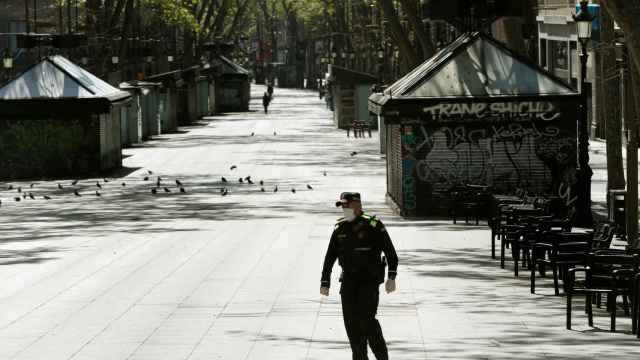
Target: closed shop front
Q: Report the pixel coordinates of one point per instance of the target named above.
(495, 132)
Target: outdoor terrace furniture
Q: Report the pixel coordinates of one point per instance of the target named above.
(469, 200)
(605, 273)
(359, 127)
(512, 232)
(496, 217)
(635, 311)
(560, 251)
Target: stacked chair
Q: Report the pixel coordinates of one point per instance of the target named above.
(538, 232)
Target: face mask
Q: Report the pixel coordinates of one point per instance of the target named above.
(349, 214)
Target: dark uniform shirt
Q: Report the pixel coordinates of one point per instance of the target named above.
(358, 245)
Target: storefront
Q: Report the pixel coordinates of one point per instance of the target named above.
(476, 113)
(57, 119)
(350, 92)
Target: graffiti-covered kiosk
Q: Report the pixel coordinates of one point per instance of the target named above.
(476, 113)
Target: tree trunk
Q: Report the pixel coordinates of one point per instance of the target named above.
(398, 34)
(508, 30)
(632, 161)
(609, 107)
(411, 9)
(625, 13)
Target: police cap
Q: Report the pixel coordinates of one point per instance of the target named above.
(346, 197)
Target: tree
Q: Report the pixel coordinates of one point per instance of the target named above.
(609, 105)
(625, 13)
(398, 34)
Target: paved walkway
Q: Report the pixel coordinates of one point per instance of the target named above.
(133, 275)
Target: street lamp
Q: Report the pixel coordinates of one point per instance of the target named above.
(7, 60)
(583, 207)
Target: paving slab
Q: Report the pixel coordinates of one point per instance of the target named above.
(133, 275)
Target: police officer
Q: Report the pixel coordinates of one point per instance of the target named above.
(357, 242)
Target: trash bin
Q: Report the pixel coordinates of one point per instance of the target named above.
(617, 208)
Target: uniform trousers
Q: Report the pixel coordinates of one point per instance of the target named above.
(359, 308)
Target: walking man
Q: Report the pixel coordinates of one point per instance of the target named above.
(357, 242)
(266, 99)
(270, 90)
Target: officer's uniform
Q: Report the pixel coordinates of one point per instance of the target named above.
(358, 245)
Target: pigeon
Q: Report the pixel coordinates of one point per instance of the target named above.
(182, 190)
(324, 173)
(150, 172)
(354, 153)
(59, 186)
(261, 182)
(225, 192)
(240, 180)
(31, 196)
(158, 181)
(248, 177)
(262, 189)
(154, 191)
(19, 189)
(275, 189)
(233, 167)
(98, 185)
(0, 202)
(10, 187)
(224, 180)
(252, 134)
(167, 190)
(124, 184)
(105, 180)
(249, 181)
(74, 182)
(76, 193)
(293, 190)
(17, 198)
(309, 187)
(274, 133)
(146, 178)
(24, 196)
(98, 193)
(178, 182)
(47, 197)
(31, 186)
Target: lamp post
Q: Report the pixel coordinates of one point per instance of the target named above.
(381, 54)
(583, 203)
(7, 60)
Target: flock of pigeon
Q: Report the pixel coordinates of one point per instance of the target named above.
(159, 186)
(23, 194)
(224, 191)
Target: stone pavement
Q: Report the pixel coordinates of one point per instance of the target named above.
(132, 275)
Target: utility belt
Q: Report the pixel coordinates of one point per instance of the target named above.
(376, 272)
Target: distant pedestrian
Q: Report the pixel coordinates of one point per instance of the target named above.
(270, 91)
(266, 99)
(357, 242)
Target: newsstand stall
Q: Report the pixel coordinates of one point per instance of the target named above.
(350, 93)
(168, 98)
(59, 120)
(143, 118)
(232, 86)
(477, 113)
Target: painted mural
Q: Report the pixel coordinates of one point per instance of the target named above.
(507, 145)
